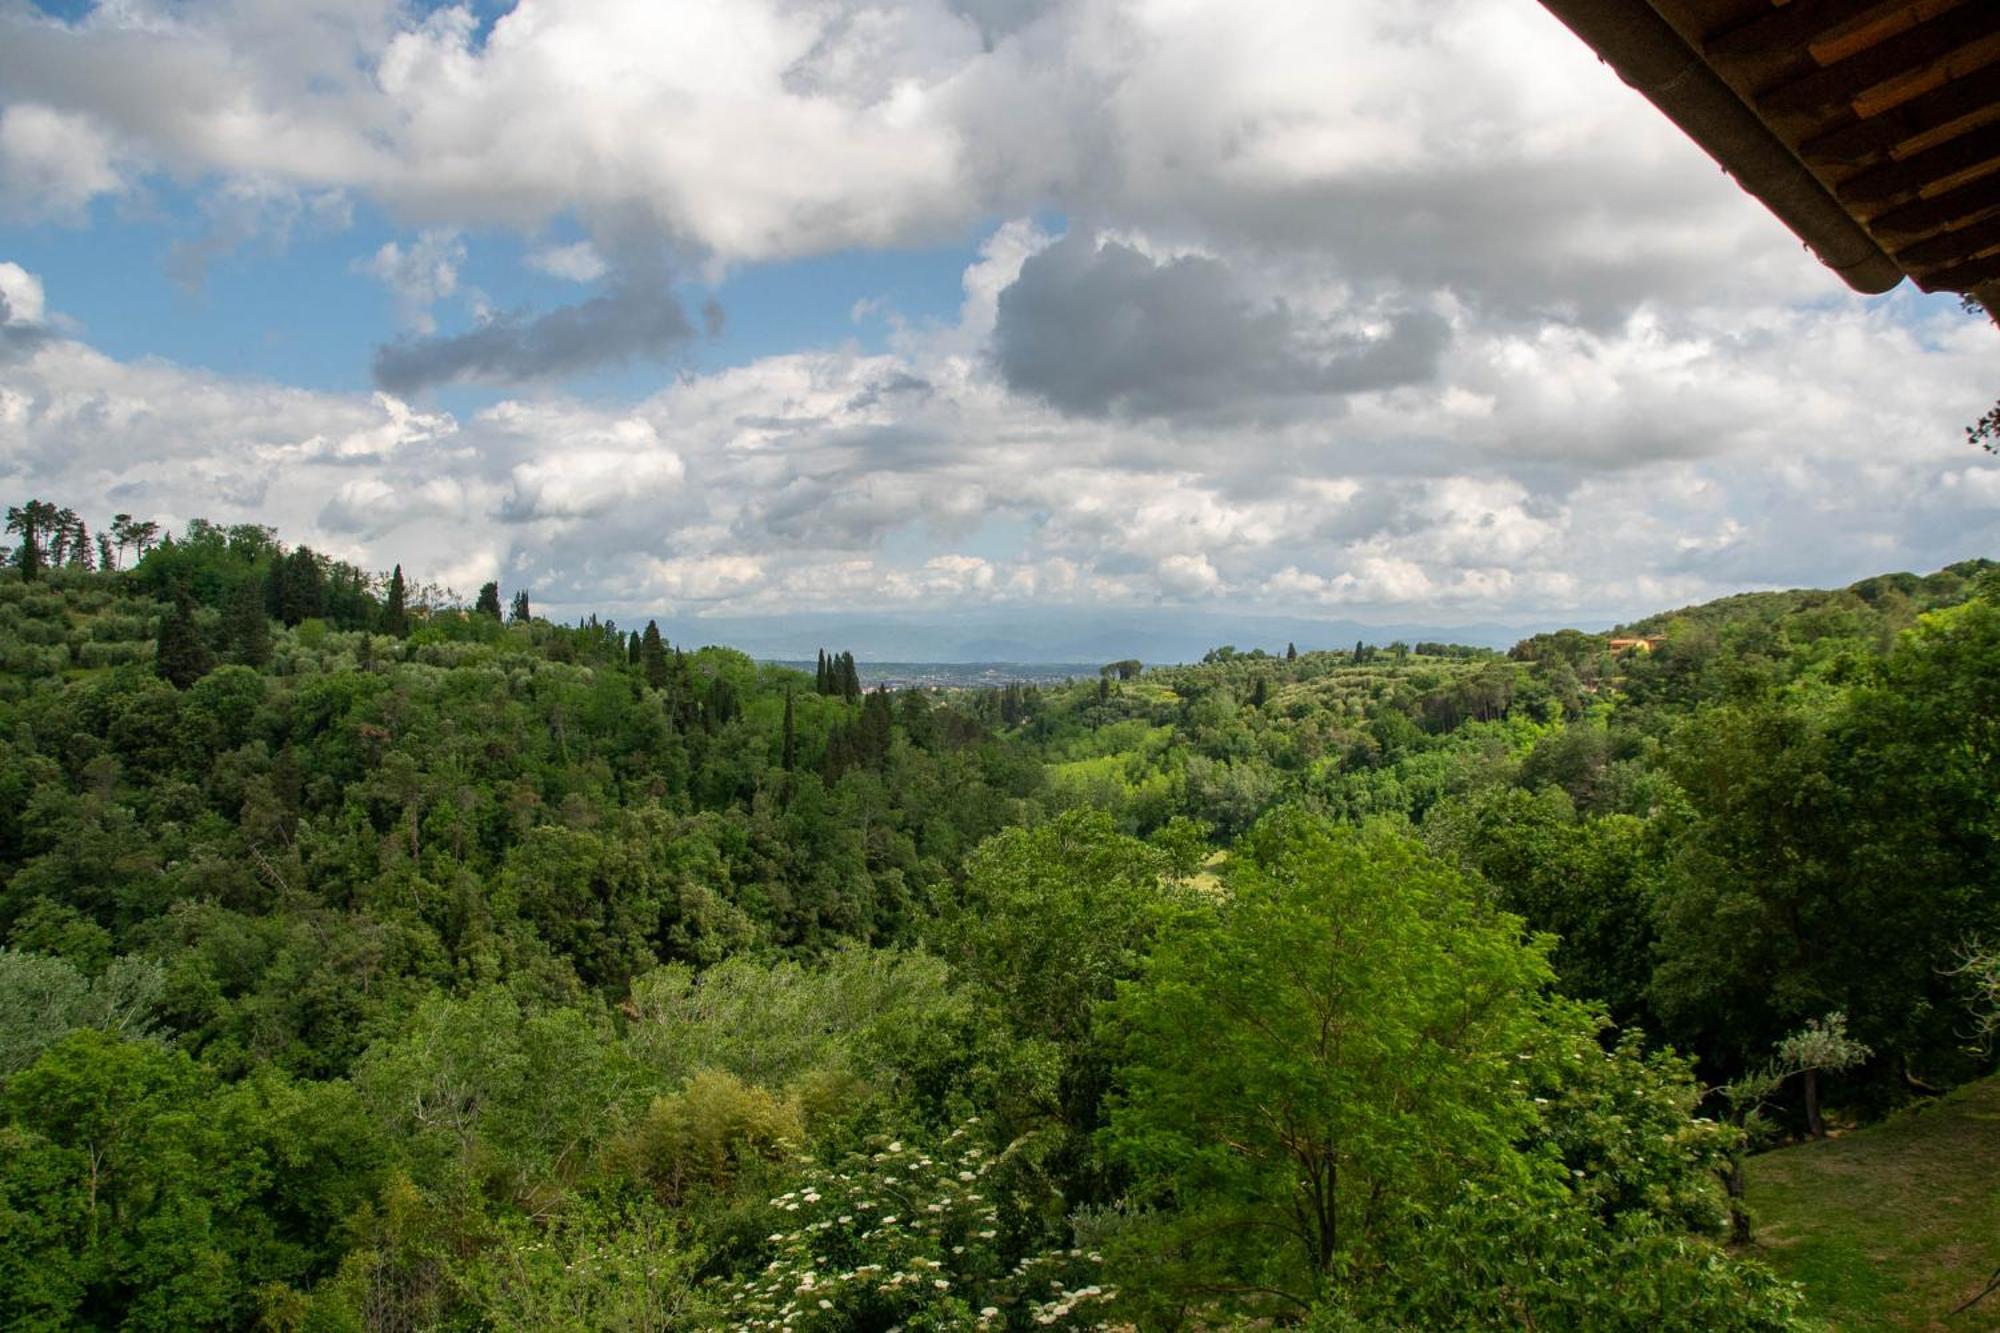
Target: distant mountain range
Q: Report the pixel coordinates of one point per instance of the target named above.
(1059, 635)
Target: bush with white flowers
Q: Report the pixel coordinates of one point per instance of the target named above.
(910, 1238)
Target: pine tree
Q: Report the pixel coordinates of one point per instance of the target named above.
(106, 561)
(32, 523)
(790, 753)
(519, 614)
(61, 533)
(245, 628)
(180, 657)
(396, 612)
(653, 656)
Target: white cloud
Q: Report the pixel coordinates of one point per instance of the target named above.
(578, 262)
(53, 163)
(1473, 144)
(419, 275)
(22, 292)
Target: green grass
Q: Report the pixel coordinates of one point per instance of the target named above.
(1892, 1226)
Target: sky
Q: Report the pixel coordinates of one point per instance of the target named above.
(730, 308)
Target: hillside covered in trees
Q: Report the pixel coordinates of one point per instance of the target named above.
(376, 962)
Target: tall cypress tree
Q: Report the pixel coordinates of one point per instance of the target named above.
(819, 673)
(850, 679)
(488, 601)
(1291, 652)
(520, 614)
(396, 613)
(180, 657)
(872, 734)
(653, 656)
(246, 630)
(632, 649)
(790, 753)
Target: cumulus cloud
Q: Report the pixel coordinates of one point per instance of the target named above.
(1410, 308)
(53, 163)
(1475, 146)
(21, 311)
(577, 262)
(419, 275)
(1098, 328)
(633, 318)
(828, 479)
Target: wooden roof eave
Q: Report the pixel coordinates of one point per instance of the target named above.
(1648, 54)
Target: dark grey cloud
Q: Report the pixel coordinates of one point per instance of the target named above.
(1102, 330)
(632, 319)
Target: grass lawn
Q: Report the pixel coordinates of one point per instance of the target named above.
(1892, 1226)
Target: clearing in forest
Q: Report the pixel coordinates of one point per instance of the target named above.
(1892, 1226)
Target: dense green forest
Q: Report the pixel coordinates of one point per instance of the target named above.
(377, 962)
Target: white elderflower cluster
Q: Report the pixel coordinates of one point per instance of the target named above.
(897, 1237)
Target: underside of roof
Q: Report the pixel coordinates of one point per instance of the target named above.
(1870, 127)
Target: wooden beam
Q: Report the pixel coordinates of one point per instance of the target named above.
(1921, 217)
(1787, 31)
(1908, 52)
(1948, 247)
(1962, 277)
(1948, 159)
(1856, 141)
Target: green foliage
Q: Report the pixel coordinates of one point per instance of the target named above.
(914, 1237)
(44, 999)
(181, 657)
(499, 974)
(1362, 1012)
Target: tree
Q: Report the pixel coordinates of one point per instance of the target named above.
(789, 749)
(180, 656)
(395, 607)
(301, 587)
(488, 603)
(653, 656)
(519, 614)
(246, 630)
(34, 523)
(1291, 652)
(1051, 921)
(80, 551)
(873, 732)
(128, 533)
(849, 678)
(1822, 1045)
(1359, 1009)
